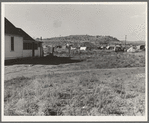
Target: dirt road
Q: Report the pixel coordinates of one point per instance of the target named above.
(30, 71)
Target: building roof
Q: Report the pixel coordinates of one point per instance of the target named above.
(24, 34)
(11, 29)
(40, 41)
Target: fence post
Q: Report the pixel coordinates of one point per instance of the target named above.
(69, 50)
(52, 51)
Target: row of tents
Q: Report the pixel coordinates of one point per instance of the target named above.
(136, 48)
(115, 48)
(112, 47)
(121, 48)
(48, 49)
(67, 47)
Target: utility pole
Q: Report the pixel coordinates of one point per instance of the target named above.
(125, 40)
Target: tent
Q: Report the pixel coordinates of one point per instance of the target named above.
(103, 47)
(73, 48)
(118, 48)
(82, 48)
(132, 49)
(141, 47)
(111, 47)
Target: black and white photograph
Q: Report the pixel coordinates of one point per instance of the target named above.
(74, 61)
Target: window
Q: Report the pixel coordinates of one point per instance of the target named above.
(12, 43)
(27, 46)
(24, 46)
(35, 46)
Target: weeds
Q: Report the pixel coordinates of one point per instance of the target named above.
(79, 94)
(50, 96)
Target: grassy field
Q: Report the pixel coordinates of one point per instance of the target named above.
(101, 83)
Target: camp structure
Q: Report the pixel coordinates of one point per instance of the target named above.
(141, 47)
(83, 48)
(110, 47)
(132, 49)
(18, 44)
(118, 48)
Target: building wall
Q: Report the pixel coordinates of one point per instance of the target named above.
(37, 52)
(27, 53)
(41, 50)
(18, 47)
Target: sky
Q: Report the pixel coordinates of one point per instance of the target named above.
(54, 20)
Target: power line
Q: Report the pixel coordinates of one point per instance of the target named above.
(125, 40)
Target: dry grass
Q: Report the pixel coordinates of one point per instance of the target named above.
(76, 94)
(44, 91)
(100, 59)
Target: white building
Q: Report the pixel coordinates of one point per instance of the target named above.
(18, 44)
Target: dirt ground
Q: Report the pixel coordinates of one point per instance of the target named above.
(63, 63)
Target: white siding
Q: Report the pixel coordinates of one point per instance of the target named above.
(37, 52)
(18, 47)
(27, 53)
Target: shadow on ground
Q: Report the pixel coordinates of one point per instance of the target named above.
(52, 60)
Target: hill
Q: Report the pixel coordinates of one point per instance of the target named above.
(79, 39)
